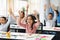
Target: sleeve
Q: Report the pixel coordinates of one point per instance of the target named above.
(45, 16)
(6, 25)
(59, 14)
(8, 22)
(34, 29)
(23, 25)
(35, 26)
(55, 16)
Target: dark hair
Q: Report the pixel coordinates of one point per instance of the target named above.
(57, 12)
(4, 18)
(51, 14)
(33, 18)
(23, 13)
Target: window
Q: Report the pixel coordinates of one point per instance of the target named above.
(3, 7)
(18, 5)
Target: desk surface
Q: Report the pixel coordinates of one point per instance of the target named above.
(17, 27)
(52, 28)
(25, 36)
(44, 28)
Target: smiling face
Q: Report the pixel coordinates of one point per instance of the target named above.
(2, 21)
(50, 16)
(29, 20)
(22, 14)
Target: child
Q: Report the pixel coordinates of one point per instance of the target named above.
(4, 23)
(30, 25)
(21, 14)
(50, 19)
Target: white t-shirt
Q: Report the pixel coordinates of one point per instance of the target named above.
(50, 23)
(3, 27)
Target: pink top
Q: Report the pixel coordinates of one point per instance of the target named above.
(28, 27)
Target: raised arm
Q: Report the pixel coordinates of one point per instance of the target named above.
(26, 14)
(12, 14)
(21, 22)
(45, 16)
(53, 6)
(55, 16)
(45, 13)
(38, 21)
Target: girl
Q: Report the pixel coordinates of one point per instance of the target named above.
(21, 14)
(30, 25)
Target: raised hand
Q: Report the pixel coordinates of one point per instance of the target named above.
(35, 13)
(19, 11)
(10, 11)
(45, 7)
(53, 6)
(27, 7)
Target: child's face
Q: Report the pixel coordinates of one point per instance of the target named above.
(21, 15)
(50, 17)
(2, 21)
(34, 12)
(29, 20)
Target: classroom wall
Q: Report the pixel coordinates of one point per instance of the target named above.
(33, 5)
(38, 6)
(55, 2)
(3, 8)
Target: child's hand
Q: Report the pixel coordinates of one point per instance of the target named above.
(45, 7)
(53, 6)
(27, 7)
(10, 11)
(19, 11)
(35, 13)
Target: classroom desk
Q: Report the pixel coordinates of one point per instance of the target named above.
(25, 36)
(17, 28)
(3, 36)
(57, 29)
(52, 29)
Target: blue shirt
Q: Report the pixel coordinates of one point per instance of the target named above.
(58, 18)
